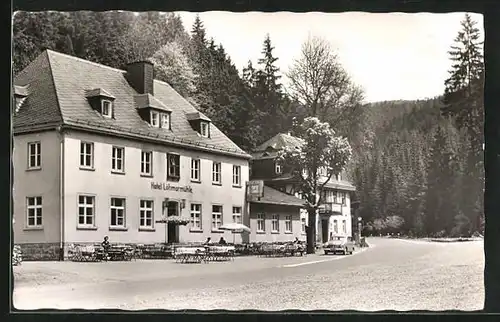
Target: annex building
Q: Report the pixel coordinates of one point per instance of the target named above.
(101, 152)
(334, 216)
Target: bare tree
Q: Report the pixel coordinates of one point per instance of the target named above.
(320, 83)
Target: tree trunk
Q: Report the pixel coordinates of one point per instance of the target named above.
(311, 232)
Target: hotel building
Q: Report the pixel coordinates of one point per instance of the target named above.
(101, 152)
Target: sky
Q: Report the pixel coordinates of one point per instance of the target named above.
(391, 56)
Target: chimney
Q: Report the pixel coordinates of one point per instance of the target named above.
(140, 76)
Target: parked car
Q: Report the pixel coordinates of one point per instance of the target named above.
(339, 244)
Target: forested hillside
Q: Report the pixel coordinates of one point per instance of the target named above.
(417, 165)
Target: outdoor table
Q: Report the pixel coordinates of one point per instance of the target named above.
(190, 254)
(220, 253)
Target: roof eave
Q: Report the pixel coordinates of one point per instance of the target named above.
(92, 129)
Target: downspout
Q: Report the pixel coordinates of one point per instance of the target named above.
(61, 193)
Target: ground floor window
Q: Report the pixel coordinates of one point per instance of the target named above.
(146, 214)
(261, 221)
(288, 224)
(344, 226)
(237, 215)
(303, 220)
(118, 212)
(34, 211)
(86, 211)
(335, 226)
(275, 223)
(196, 216)
(216, 217)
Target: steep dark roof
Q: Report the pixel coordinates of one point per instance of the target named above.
(279, 142)
(58, 85)
(275, 197)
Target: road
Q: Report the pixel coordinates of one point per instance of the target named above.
(391, 275)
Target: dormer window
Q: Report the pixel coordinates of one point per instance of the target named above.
(155, 119)
(277, 167)
(165, 121)
(200, 123)
(204, 129)
(153, 111)
(106, 108)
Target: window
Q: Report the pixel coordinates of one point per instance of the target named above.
(155, 119)
(216, 172)
(344, 226)
(146, 163)
(118, 212)
(86, 211)
(204, 129)
(275, 223)
(343, 195)
(236, 175)
(261, 222)
(277, 167)
(146, 214)
(335, 226)
(288, 224)
(106, 108)
(335, 196)
(117, 159)
(237, 215)
(173, 166)
(303, 220)
(34, 211)
(165, 121)
(195, 169)
(34, 155)
(86, 155)
(195, 216)
(216, 217)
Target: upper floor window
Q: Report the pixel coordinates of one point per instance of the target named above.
(34, 155)
(204, 129)
(117, 159)
(86, 154)
(236, 175)
(344, 199)
(303, 222)
(107, 108)
(335, 197)
(146, 163)
(173, 166)
(195, 169)
(216, 173)
(34, 212)
(344, 226)
(335, 226)
(277, 167)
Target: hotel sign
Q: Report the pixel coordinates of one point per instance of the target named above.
(168, 187)
(255, 188)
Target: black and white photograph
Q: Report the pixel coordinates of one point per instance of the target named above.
(264, 161)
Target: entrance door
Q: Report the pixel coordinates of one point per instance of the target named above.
(172, 229)
(324, 230)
